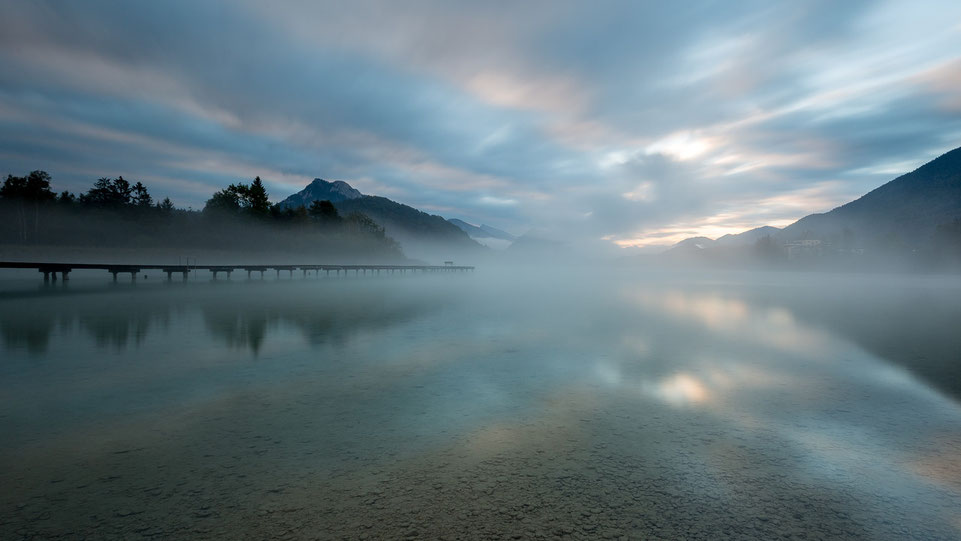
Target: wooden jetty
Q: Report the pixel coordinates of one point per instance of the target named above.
(50, 270)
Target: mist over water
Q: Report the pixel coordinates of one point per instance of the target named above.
(587, 403)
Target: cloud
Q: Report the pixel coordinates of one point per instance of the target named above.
(626, 121)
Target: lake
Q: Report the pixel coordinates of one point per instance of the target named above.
(584, 404)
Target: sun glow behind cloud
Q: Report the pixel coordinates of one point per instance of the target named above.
(681, 146)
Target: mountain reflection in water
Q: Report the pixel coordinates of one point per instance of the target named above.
(644, 405)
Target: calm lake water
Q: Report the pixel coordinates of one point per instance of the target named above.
(587, 405)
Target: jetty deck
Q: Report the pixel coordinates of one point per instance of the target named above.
(50, 270)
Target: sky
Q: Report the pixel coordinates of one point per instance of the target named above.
(628, 124)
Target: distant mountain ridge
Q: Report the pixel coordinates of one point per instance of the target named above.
(483, 231)
(747, 237)
(910, 206)
(407, 225)
(691, 245)
(403, 219)
(907, 210)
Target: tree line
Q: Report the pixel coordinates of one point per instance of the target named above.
(117, 212)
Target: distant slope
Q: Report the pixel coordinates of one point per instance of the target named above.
(482, 232)
(405, 221)
(497, 233)
(321, 190)
(472, 231)
(420, 234)
(691, 245)
(747, 237)
(905, 210)
(402, 222)
(909, 207)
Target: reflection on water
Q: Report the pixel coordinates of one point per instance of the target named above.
(746, 406)
(121, 318)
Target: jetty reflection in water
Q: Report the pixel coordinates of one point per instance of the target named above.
(741, 405)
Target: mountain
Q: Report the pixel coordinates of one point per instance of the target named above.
(485, 234)
(321, 190)
(421, 235)
(908, 208)
(472, 231)
(399, 218)
(493, 232)
(905, 211)
(483, 231)
(691, 245)
(747, 237)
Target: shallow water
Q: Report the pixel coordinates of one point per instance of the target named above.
(588, 405)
